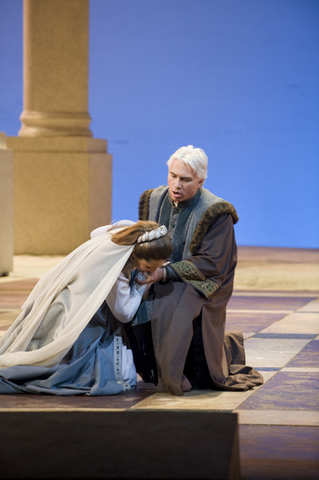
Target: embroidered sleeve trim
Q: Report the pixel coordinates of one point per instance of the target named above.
(189, 273)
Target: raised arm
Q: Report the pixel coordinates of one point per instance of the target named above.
(211, 266)
(216, 258)
(124, 300)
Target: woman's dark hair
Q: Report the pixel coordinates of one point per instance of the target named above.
(158, 249)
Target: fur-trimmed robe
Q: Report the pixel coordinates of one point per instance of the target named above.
(207, 272)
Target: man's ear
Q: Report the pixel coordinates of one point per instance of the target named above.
(200, 183)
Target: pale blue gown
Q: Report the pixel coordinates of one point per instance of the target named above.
(98, 363)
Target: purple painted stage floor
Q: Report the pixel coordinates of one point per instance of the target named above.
(278, 422)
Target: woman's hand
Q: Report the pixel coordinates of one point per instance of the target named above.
(151, 278)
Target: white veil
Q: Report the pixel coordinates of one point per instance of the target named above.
(63, 302)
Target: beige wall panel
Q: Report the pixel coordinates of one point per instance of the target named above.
(51, 204)
(100, 190)
(63, 190)
(6, 211)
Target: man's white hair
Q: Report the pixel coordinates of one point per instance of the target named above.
(195, 158)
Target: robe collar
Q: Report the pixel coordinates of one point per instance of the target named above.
(187, 203)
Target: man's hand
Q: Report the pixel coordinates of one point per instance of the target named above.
(154, 277)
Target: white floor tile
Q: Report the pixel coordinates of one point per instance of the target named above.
(295, 323)
(272, 352)
(312, 306)
(196, 400)
(278, 417)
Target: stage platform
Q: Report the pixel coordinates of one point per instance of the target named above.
(276, 305)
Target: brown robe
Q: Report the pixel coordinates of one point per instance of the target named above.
(206, 287)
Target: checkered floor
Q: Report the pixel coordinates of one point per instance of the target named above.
(278, 422)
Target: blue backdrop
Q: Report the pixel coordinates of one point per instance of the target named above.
(238, 78)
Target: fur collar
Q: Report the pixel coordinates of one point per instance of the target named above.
(143, 206)
(211, 215)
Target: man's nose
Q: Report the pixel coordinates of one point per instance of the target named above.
(177, 183)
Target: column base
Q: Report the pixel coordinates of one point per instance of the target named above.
(54, 124)
(62, 191)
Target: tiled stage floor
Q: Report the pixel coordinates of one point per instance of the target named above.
(278, 422)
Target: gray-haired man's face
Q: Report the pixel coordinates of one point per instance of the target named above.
(182, 182)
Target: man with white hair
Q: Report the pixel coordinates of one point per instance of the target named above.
(187, 302)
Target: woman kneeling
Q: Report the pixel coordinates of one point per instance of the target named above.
(68, 339)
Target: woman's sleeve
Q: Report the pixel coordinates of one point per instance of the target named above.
(124, 300)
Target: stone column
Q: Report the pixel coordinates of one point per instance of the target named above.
(56, 51)
(62, 176)
(6, 207)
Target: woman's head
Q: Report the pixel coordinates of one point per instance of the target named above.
(148, 254)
